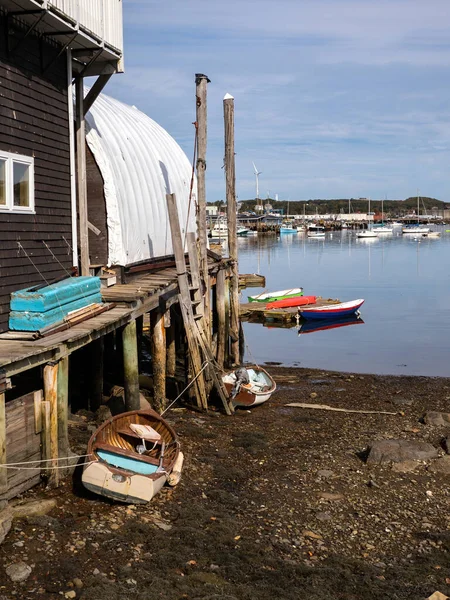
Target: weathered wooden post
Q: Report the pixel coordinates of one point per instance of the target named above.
(51, 422)
(226, 299)
(3, 470)
(130, 366)
(81, 177)
(171, 349)
(230, 179)
(201, 82)
(62, 392)
(97, 349)
(158, 350)
(220, 309)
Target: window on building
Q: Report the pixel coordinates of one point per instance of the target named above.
(16, 183)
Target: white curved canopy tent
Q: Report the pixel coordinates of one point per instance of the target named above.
(140, 163)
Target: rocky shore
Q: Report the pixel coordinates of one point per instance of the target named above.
(281, 501)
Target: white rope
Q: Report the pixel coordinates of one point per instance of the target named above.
(43, 460)
(48, 468)
(205, 364)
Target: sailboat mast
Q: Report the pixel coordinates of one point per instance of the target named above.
(418, 208)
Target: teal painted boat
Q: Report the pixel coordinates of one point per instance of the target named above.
(279, 295)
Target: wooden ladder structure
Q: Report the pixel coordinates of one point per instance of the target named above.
(192, 310)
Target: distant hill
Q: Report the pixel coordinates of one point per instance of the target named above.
(340, 205)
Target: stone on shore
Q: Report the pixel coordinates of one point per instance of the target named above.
(6, 517)
(36, 508)
(441, 466)
(438, 419)
(397, 451)
(18, 571)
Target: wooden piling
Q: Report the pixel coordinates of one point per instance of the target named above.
(62, 392)
(3, 470)
(201, 82)
(97, 350)
(171, 351)
(46, 438)
(158, 350)
(230, 178)
(220, 310)
(51, 396)
(130, 366)
(226, 298)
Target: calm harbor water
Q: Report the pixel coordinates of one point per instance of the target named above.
(406, 286)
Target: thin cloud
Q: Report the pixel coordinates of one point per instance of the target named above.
(331, 96)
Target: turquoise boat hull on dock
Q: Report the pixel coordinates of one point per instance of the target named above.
(33, 309)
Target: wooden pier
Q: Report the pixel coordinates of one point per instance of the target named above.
(107, 339)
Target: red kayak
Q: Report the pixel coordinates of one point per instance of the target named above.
(295, 301)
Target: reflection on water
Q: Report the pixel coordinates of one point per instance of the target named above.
(406, 285)
(326, 325)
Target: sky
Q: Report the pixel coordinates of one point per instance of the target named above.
(333, 98)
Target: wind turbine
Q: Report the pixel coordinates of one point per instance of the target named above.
(257, 180)
(257, 173)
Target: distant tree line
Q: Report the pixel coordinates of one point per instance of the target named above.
(341, 205)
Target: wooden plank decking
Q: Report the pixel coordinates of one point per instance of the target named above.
(132, 300)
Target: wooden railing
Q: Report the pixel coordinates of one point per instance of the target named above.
(103, 18)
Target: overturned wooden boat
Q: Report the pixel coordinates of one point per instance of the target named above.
(294, 301)
(249, 386)
(131, 456)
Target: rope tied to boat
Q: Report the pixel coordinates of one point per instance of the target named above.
(205, 364)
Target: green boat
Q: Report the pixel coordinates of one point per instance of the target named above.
(280, 295)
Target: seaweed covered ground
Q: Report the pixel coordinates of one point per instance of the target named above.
(276, 502)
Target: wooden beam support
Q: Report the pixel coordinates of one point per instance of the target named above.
(51, 397)
(158, 350)
(201, 82)
(81, 177)
(230, 178)
(130, 366)
(95, 91)
(3, 470)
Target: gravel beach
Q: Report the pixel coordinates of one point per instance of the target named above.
(277, 502)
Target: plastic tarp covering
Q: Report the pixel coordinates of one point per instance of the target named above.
(140, 163)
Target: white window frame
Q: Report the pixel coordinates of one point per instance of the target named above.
(10, 159)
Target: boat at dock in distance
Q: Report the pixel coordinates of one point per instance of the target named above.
(383, 229)
(220, 229)
(131, 456)
(279, 295)
(287, 227)
(415, 229)
(332, 311)
(249, 386)
(292, 302)
(366, 234)
(316, 231)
